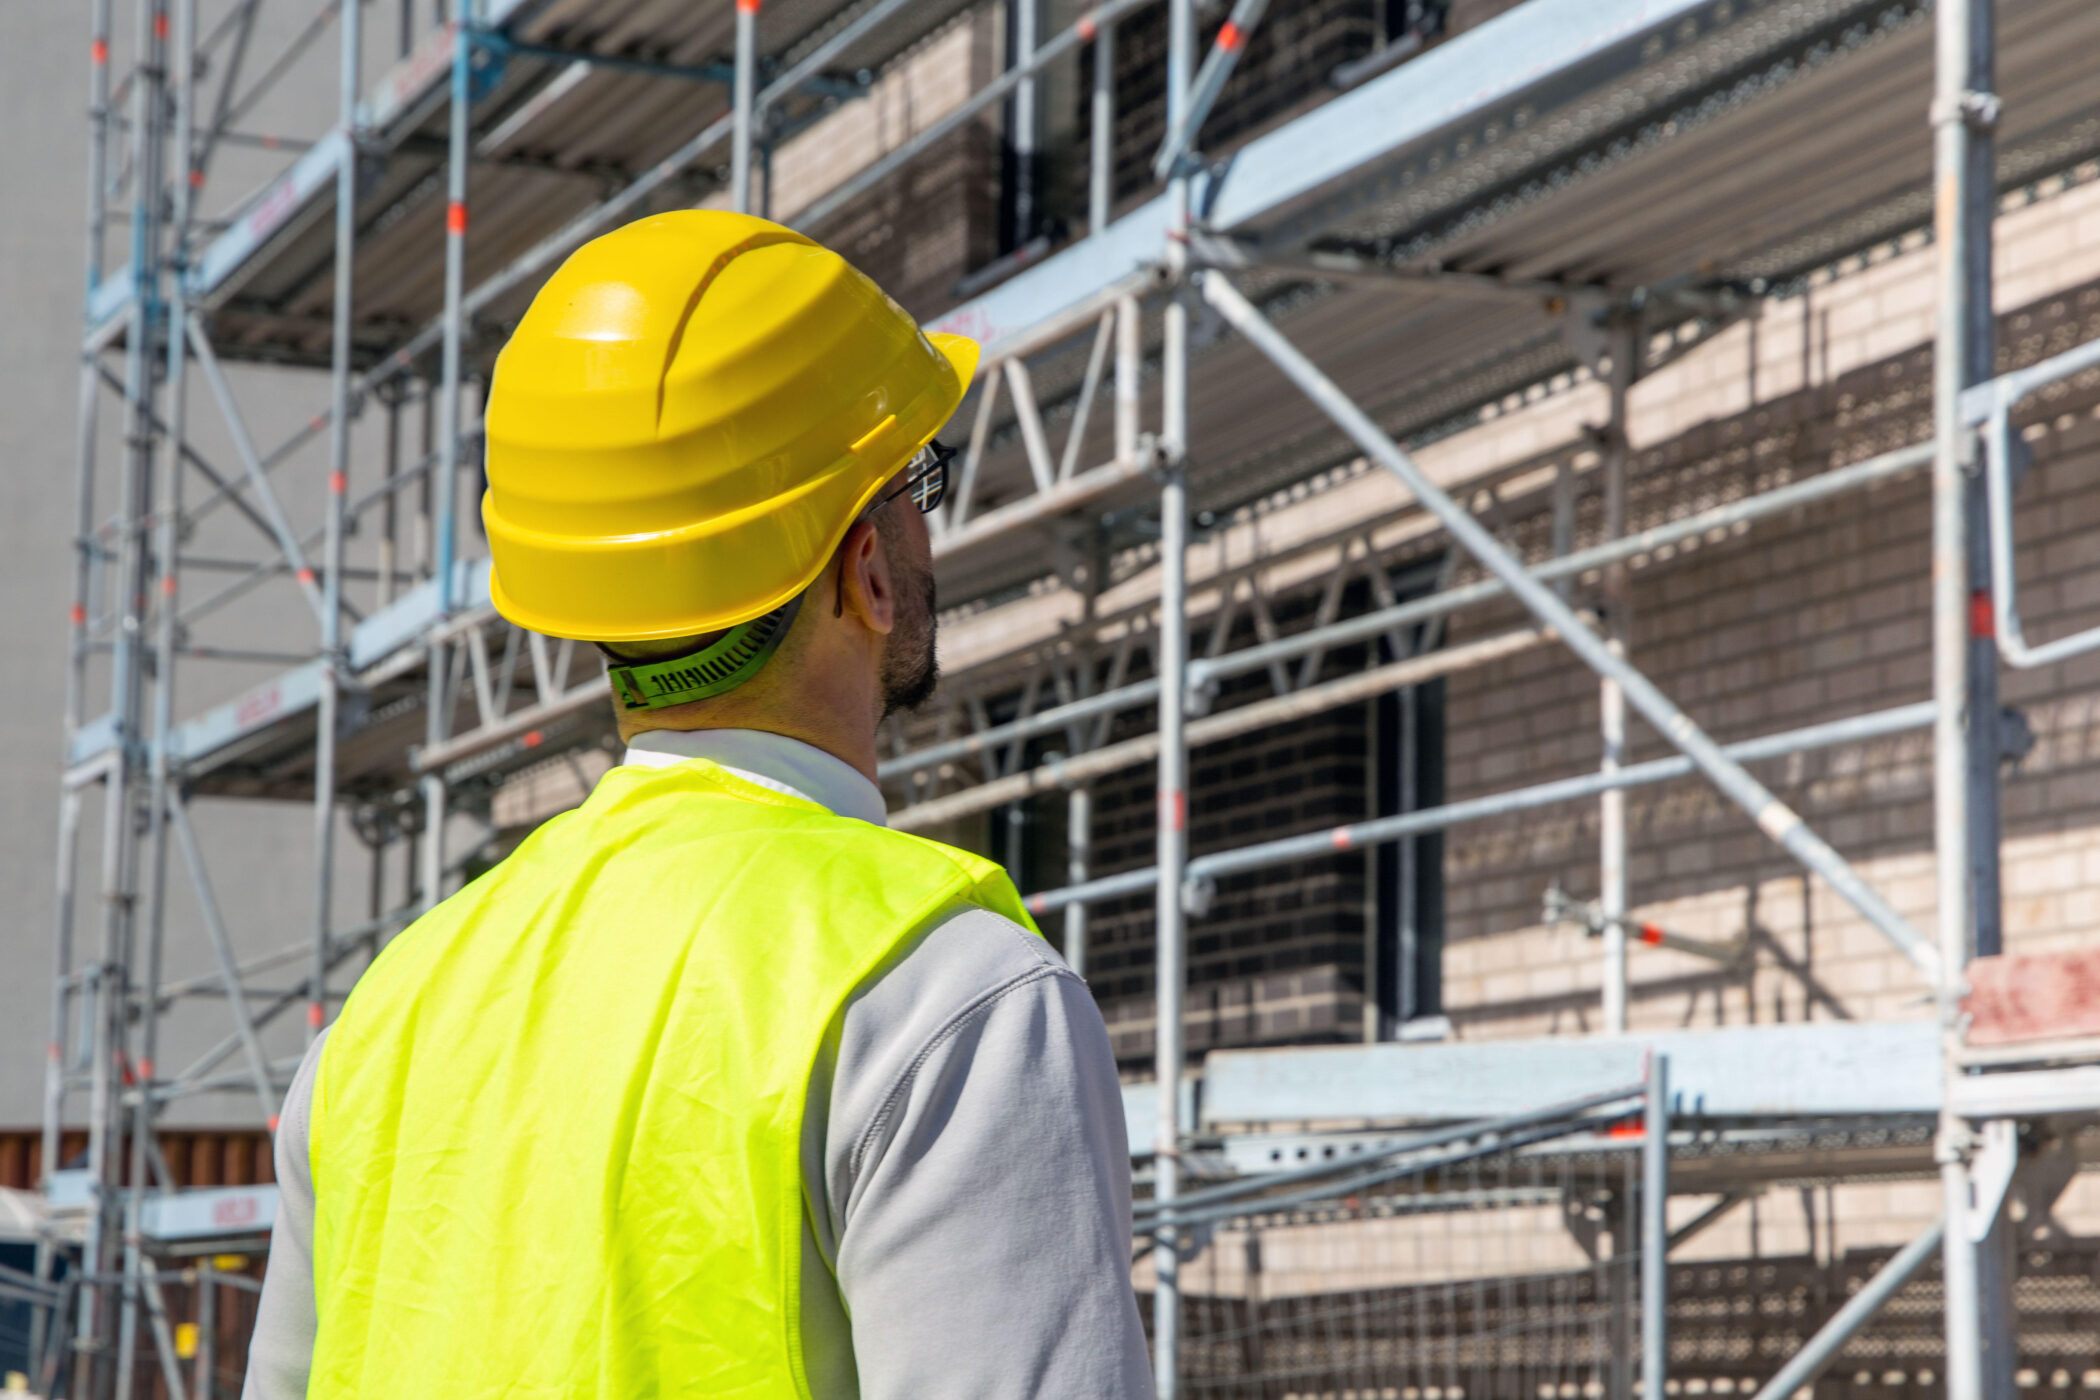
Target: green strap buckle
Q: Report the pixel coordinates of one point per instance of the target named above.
(721, 666)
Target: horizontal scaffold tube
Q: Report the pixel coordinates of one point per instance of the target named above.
(1260, 715)
(1202, 673)
(1856, 729)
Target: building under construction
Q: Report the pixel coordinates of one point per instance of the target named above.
(1522, 596)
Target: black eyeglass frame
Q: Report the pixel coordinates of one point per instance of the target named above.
(926, 478)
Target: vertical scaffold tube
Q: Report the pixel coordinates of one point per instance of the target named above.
(1173, 653)
(1100, 192)
(1957, 107)
(438, 719)
(1023, 134)
(90, 394)
(1611, 696)
(113, 1064)
(328, 712)
(1079, 836)
(744, 89)
(1655, 1230)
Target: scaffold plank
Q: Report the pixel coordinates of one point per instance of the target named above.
(1783, 1071)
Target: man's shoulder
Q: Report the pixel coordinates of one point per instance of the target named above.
(965, 964)
(964, 955)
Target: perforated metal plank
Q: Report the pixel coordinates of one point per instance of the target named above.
(1785, 1071)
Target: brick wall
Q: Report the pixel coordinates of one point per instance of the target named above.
(1279, 956)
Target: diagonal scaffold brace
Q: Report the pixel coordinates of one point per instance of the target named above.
(1777, 820)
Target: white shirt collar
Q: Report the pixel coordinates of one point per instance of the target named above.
(772, 761)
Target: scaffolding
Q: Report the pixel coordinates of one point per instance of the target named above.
(1573, 191)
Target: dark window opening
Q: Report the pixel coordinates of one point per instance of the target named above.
(1407, 952)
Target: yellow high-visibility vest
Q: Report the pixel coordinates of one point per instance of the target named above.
(556, 1134)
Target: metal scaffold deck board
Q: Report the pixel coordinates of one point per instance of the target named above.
(1530, 150)
(563, 121)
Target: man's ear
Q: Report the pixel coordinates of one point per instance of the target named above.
(867, 589)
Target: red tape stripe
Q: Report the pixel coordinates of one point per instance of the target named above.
(455, 217)
(1983, 622)
(1231, 37)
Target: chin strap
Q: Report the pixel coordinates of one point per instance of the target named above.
(720, 666)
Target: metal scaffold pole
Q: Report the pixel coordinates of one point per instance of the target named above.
(1101, 151)
(743, 87)
(105, 1329)
(332, 659)
(1655, 1230)
(437, 723)
(1170, 916)
(1964, 109)
(1611, 696)
(58, 1060)
(1079, 833)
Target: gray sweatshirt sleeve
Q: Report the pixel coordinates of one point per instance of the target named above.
(978, 1178)
(281, 1351)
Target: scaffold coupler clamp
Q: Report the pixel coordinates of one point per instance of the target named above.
(1159, 457)
(1201, 691)
(1979, 111)
(1197, 894)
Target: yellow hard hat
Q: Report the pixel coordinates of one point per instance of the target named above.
(689, 417)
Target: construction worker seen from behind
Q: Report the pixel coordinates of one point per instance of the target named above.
(715, 1086)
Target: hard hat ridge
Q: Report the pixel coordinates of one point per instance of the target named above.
(687, 420)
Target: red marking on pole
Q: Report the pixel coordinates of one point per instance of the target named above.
(313, 424)
(337, 483)
(1087, 27)
(196, 179)
(98, 52)
(1174, 810)
(1982, 621)
(1627, 1130)
(160, 26)
(77, 615)
(167, 584)
(1651, 934)
(1039, 905)
(145, 1069)
(1231, 37)
(1340, 838)
(314, 1014)
(51, 1051)
(533, 738)
(456, 217)
(306, 576)
(747, 7)
(273, 1125)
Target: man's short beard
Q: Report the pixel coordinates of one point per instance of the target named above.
(910, 669)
